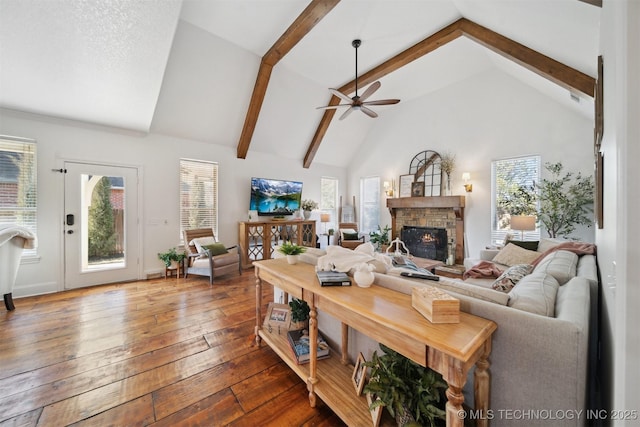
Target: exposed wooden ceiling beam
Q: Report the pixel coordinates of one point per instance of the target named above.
(551, 69)
(559, 73)
(427, 45)
(309, 17)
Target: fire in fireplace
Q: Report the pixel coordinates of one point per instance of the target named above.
(426, 242)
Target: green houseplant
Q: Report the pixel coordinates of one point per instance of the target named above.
(299, 313)
(170, 256)
(288, 248)
(410, 392)
(565, 201)
(291, 250)
(380, 236)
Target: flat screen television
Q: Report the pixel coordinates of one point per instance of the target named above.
(275, 197)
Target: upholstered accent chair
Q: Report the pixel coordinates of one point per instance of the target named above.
(208, 257)
(348, 236)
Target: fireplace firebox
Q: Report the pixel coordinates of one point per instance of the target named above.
(426, 242)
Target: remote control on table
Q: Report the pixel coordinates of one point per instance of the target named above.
(420, 276)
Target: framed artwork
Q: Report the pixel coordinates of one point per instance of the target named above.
(405, 185)
(599, 209)
(359, 374)
(278, 318)
(376, 414)
(417, 189)
(598, 104)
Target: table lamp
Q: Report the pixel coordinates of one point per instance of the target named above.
(523, 223)
(325, 218)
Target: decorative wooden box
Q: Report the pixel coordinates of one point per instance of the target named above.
(436, 305)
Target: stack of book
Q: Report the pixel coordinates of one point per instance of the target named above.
(299, 342)
(333, 278)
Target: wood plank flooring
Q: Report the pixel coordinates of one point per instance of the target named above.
(160, 352)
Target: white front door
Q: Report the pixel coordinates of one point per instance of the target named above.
(101, 243)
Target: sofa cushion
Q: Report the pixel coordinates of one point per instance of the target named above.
(511, 277)
(405, 284)
(535, 293)
(560, 264)
(349, 236)
(512, 255)
(531, 246)
(547, 243)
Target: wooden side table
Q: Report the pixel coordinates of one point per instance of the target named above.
(177, 269)
(452, 271)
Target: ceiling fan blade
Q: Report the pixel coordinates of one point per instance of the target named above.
(369, 112)
(346, 113)
(382, 102)
(341, 95)
(370, 90)
(329, 107)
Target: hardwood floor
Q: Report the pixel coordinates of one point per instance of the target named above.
(156, 352)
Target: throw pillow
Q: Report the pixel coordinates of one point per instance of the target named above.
(512, 255)
(201, 241)
(350, 236)
(346, 230)
(531, 246)
(535, 293)
(216, 249)
(511, 276)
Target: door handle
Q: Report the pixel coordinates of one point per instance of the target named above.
(70, 219)
(69, 231)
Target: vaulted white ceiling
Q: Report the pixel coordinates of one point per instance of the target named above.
(187, 69)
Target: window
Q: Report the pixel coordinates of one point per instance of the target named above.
(370, 204)
(329, 200)
(198, 195)
(18, 184)
(507, 176)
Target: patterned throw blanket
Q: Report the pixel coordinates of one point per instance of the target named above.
(488, 269)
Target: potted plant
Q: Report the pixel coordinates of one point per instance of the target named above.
(291, 250)
(380, 237)
(171, 257)
(565, 201)
(307, 206)
(410, 392)
(299, 313)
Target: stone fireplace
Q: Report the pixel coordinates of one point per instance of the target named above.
(446, 212)
(426, 242)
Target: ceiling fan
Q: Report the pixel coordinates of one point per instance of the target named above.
(359, 102)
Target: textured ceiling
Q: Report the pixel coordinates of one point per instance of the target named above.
(187, 69)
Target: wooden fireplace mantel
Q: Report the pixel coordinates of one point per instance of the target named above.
(456, 203)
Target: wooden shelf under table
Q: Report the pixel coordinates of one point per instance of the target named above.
(334, 384)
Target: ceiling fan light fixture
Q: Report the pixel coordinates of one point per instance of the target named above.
(359, 103)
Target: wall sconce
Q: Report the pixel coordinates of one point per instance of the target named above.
(466, 176)
(388, 187)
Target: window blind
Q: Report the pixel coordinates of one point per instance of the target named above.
(198, 195)
(18, 184)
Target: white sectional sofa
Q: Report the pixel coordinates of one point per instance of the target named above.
(541, 351)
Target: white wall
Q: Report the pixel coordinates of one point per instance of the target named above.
(157, 156)
(618, 251)
(487, 117)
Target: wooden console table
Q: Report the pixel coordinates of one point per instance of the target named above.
(387, 317)
(257, 238)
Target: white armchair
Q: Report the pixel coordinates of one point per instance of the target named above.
(13, 239)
